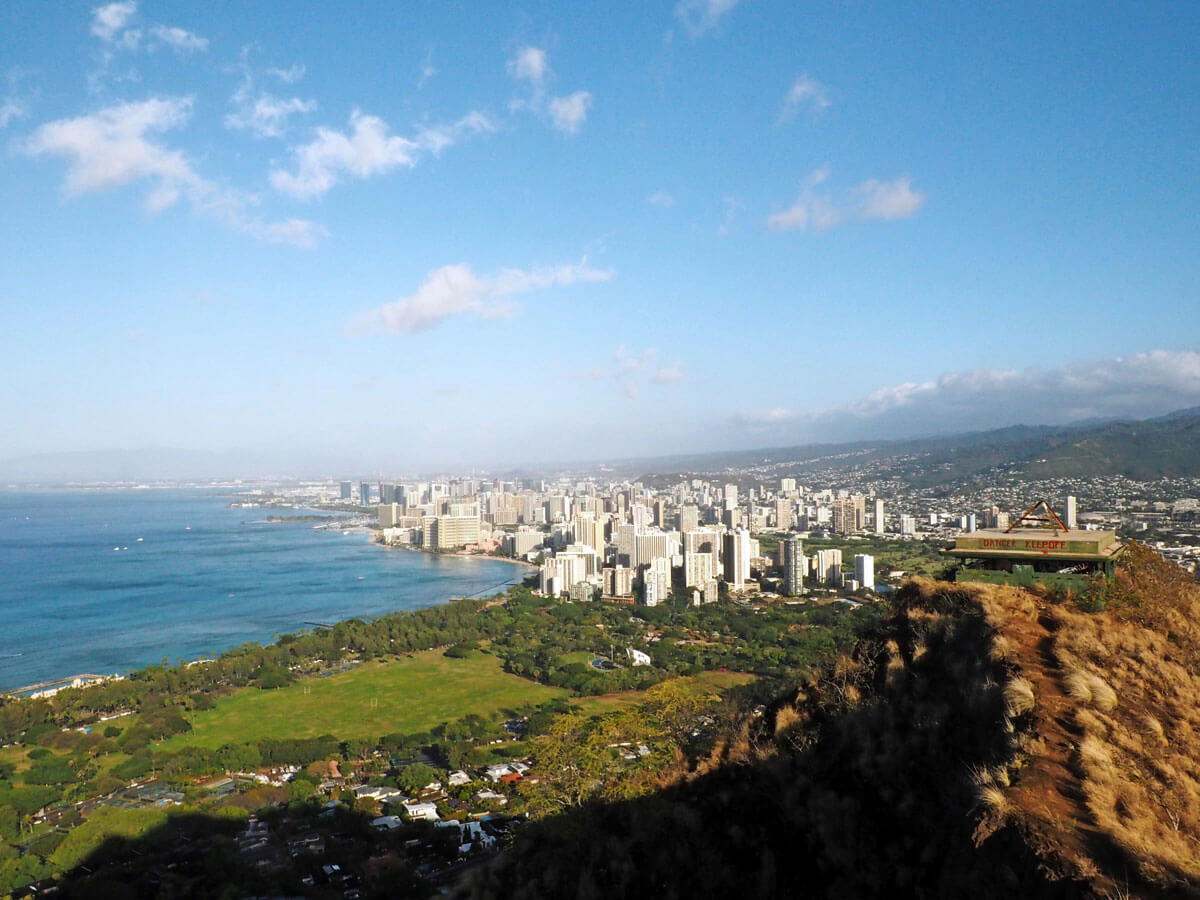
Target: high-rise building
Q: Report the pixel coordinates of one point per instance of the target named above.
(1070, 513)
(787, 485)
(879, 517)
(588, 530)
(783, 515)
(698, 569)
(364, 493)
(737, 557)
(845, 519)
(618, 581)
(829, 567)
(689, 518)
(703, 540)
(794, 566)
(346, 489)
(656, 581)
(650, 544)
(908, 524)
(454, 531)
(639, 514)
(626, 544)
(731, 496)
(864, 570)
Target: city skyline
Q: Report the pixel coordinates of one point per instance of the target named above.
(533, 235)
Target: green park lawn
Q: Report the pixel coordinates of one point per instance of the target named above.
(406, 696)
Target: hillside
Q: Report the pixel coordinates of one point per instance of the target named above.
(986, 740)
(1167, 446)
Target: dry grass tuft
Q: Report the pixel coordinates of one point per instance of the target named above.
(785, 718)
(1153, 729)
(1001, 649)
(1102, 693)
(1018, 696)
(1078, 685)
(994, 799)
(1097, 761)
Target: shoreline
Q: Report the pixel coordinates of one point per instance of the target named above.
(48, 680)
(457, 554)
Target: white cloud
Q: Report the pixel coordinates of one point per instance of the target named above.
(121, 144)
(297, 232)
(1126, 387)
(114, 146)
(456, 290)
(109, 20)
(569, 113)
(699, 16)
(805, 92)
(178, 39)
(628, 370)
(773, 416)
(669, 375)
(888, 199)
(661, 198)
(367, 150)
(289, 75)
(427, 70)
(9, 111)
(870, 200)
(529, 64)
(265, 115)
(1159, 380)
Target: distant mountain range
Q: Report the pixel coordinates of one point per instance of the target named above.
(1166, 446)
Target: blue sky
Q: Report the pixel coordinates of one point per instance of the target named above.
(509, 233)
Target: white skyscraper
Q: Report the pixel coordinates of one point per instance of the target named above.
(1071, 514)
(879, 518)
(864, 570)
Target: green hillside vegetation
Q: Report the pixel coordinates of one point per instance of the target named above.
(393, 697)
(408, 696)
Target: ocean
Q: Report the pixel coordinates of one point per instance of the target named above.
(191, 579)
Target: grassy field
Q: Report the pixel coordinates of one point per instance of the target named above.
(602, 703)
(406, 696)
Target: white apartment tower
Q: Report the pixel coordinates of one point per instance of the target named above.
(864, 570)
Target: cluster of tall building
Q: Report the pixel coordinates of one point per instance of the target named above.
(629, 541)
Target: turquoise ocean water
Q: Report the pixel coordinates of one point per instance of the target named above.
(203, 579)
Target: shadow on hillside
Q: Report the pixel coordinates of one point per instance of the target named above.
(206, 856)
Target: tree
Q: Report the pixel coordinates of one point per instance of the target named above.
(412, 779)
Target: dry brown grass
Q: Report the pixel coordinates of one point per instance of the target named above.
(1102, 693)
(1139, 758)
(1018, 696)
(994, 799)
(1000, 650)
(1078, 685)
